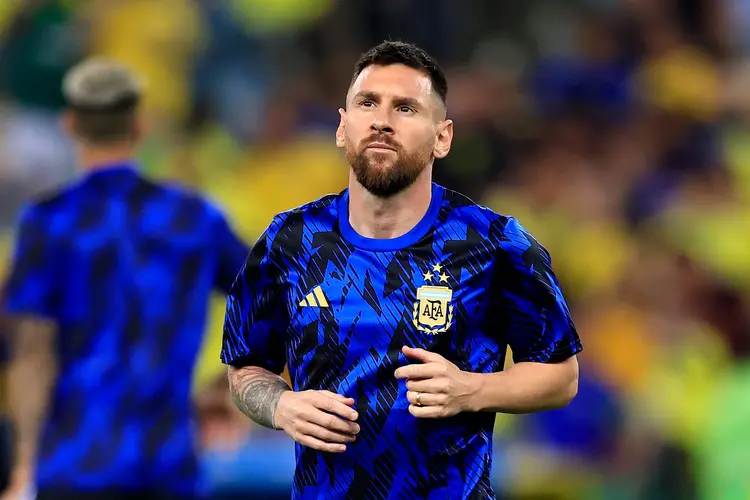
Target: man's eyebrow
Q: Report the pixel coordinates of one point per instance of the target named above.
(367, 94)
(407, 101)
(398, 100)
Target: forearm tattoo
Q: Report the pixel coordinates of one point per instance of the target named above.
(256, 393)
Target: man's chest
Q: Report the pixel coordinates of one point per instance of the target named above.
(372, 300)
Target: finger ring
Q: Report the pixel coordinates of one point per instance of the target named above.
(419, 395)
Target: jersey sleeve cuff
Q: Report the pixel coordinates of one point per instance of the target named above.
(14, 308)
(559, 354)
(242, 360)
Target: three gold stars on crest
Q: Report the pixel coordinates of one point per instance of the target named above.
(437, 268)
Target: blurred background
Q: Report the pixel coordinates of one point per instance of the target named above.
(616, 131)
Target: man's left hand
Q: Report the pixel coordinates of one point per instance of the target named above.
(436, 388)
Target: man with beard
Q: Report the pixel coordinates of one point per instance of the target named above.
(393, 304)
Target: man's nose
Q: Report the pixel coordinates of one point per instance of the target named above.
(381, 124)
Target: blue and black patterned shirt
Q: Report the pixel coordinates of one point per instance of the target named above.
(337, 308)
(125, 268)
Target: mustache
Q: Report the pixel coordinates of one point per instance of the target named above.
(383, 139)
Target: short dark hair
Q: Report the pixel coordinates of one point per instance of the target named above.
(394, 52)
(103, 96)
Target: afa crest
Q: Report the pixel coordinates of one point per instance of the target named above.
(433, 311)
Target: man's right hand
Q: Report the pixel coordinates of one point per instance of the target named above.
(320, 420)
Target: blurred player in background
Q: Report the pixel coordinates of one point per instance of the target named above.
(108, 293)
(393, 304)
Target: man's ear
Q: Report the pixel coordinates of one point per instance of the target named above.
(444, 139)
(340, 131)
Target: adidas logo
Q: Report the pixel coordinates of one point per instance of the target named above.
(315, 299)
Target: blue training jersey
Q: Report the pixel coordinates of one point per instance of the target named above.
(125, 268)
(337, 307)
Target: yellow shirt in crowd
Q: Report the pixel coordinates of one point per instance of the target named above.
(157, 39)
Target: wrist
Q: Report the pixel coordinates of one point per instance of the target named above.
(474, 401)
(277, 417)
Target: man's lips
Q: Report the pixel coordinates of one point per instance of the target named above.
(380, 145)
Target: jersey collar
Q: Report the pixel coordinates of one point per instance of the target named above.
(392, 244)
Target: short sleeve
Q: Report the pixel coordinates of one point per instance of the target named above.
(528, 301)
(31, 288)
(232, 252)
(256, 315)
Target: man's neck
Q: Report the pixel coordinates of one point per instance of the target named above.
(387, 218)
(95, 158)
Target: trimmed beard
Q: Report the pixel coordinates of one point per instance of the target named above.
(375, 176)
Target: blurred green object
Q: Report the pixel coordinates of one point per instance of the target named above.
(709, 234)
(737, 154)
(723, 452)
(279, 15)
(41, 43)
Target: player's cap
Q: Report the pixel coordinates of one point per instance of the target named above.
(99, 84)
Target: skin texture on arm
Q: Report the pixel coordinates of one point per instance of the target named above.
(437, 388)
(527, 387)
(256, 392)
(320, 420)
(31, 376)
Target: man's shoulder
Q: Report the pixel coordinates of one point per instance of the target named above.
(79, 191)
(46, 204)
(320, 214)
(53, 198)
(175, 192)
(459, 208)
(499, 230)
(183, 201)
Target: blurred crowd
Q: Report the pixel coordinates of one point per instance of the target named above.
(616, 131)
